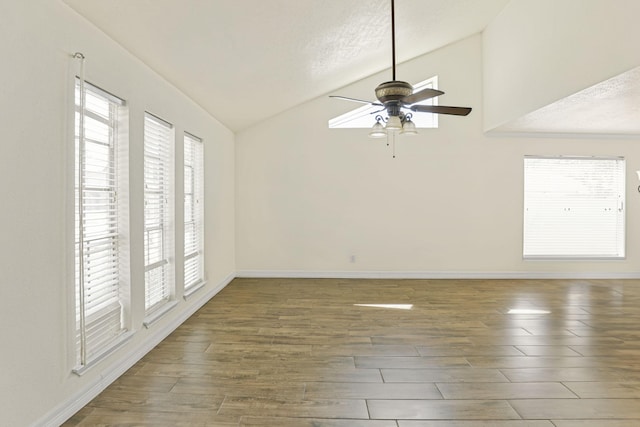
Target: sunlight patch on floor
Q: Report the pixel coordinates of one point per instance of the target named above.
(392, 306)
(527, 311)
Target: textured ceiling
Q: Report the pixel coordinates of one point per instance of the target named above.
(610, 107)
(246, 60)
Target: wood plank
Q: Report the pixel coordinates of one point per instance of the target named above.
(605, 390)
(442, 375)
(283, 389)
(147, 418)
(441, 410)
(537, 390)
(476, 423)
(157, 402)
(469, 350)
(547, 350)
(597, 423)
(245, 406)
(350, 390)
(599, 409)
(410, 362)
(312, 422)
(571, 374)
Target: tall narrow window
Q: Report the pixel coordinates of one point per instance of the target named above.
(193, 213)
(158, 212)
(574, 207)
(100, 303)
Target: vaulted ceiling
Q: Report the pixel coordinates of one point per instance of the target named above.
(246, 60)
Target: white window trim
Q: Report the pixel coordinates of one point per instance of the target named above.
(114, 122)
(121, 341)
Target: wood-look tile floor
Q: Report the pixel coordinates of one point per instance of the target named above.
(392, 353)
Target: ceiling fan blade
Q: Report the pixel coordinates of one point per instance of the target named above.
(441, 109)
(356, 100)
(421, 96)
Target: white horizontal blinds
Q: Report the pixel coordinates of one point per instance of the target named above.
(158, 218)
(99, 306)
(193, 211)
(574, 207)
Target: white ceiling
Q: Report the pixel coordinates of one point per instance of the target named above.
(246, 60)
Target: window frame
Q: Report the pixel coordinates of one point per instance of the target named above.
(100, 198)
(158, 207)
(194, 273)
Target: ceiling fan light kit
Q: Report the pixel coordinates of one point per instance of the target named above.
(395, 96)
(394, 123)
(378, 130)
(408, 127)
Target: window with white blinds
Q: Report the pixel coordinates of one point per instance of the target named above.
(100, 305)
(193, 212)
(574, 207)
(158, 213)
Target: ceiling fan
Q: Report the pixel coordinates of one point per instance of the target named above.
(395, 97)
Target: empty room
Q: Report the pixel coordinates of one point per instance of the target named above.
(338, 213)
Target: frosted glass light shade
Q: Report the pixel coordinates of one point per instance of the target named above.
(394, 123)
(408, 128)
(377, 131)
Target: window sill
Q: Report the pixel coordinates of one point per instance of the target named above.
(155, 315)
(193, 289)
(572, 258)
(121, 341)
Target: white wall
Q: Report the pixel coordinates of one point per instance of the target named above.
(538, 52)
(37, 38)
(450, 204)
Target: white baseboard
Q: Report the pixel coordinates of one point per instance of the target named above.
(301, 274)
(66, 409)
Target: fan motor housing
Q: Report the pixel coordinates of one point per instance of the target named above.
(393, 91)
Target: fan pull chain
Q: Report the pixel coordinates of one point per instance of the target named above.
(393, 136)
